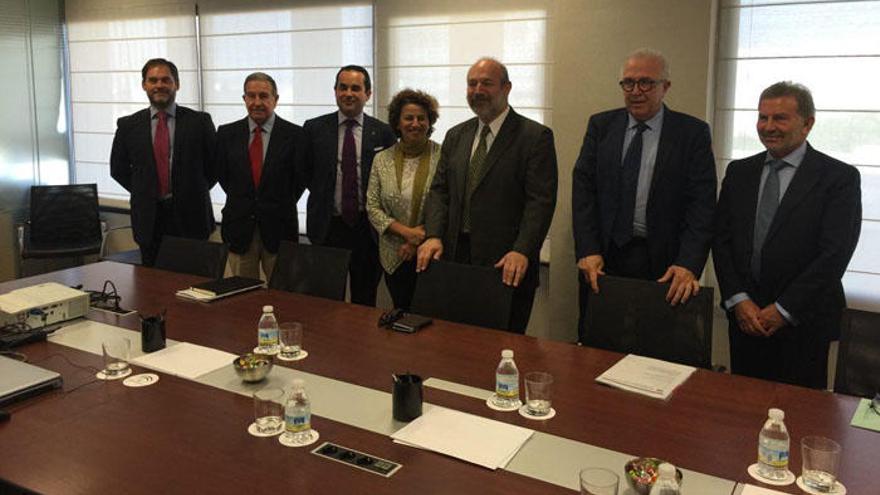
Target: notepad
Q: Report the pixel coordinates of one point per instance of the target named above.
(481, 441)
(865, 417)
(185, 360)
(757, 490)
(646, 376)
(223, 287)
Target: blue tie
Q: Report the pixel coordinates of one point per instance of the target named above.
(622, 231)
(766, 211)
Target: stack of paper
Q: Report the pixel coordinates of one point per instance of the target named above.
(646, 376)
(475, 439)
(185, 360)
(757, 490)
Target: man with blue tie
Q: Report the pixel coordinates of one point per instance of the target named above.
(643, 189)
(341, 146)
(164, 156)
(787, 224)
(257, 162)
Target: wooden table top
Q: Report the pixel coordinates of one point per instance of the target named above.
(182, 436)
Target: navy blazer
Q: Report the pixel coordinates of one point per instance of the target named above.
(322, 157)
(809, 243)
(193, 172)
(681, 198)
(271, 206)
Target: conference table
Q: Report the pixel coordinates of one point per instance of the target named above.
(185, 436)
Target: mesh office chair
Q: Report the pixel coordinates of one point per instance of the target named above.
(858, 356)
(63, 222)
(314, 270)
(193, 256)
(632, 316)
(463, 293)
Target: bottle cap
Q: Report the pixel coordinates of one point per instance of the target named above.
(507, 354)
(268, 308)
(298, 383)
(777, 414)
(666, 471)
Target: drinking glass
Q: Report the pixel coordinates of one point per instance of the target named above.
(821, 459)
(116, 351)
(269, 410)
(291, 335)
(538, 385)
(598, 481)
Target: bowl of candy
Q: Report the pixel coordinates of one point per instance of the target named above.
(252, 368)
(642, 472)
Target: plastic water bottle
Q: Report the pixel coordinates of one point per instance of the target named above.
(506, 381)
(267, 332)
(773, 447)
(298, 414)
(666, 484)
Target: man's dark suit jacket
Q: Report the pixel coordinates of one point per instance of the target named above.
(809, 244)
(192, 172)
(271, 207)
(681, 199)
(319, 172)
(513, 203)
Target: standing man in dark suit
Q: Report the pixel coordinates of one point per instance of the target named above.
(788, 222)
(257, 161)
(494, 191)
(164, 156)
(643, 191)
(341, 146)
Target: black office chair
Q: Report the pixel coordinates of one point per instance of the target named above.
(193, 256)
(632, 316)
(63, 222)
(463, 293)
(858, 355)
(314, 270)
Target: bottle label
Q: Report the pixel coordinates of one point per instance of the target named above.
(773, 457)
(298, 423)
(267, 337)
(507, 385)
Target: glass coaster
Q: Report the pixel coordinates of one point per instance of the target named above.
(142, 380)
(524, 412)
(302, 355)
(101, 376)
(753, 472)
(495, 407)
(257, 350)
(284, 440)
(837, 489)
(252, 429)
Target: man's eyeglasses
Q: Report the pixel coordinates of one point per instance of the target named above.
(644, 84)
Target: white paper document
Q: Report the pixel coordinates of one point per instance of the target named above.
(757, 490)
(195, 295)
(646, 376)
(474, 439)
(185, 360)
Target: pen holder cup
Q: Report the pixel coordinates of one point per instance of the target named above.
(406, 397)
(152, 333)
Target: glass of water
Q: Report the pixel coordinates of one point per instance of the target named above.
(269, 410)
(598, 481)
(291, 335)
(821, 460)
(538, 385)
(116, 351)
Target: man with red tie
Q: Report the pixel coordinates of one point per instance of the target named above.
(257, 162)
(164, 157)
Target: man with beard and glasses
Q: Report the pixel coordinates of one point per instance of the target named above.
(494, 191)
(643, 189)
(257, 162)
(164, 157)
(341, 146)
(787, 224)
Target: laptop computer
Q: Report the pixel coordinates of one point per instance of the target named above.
(19, 380)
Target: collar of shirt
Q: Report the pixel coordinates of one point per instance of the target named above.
(495, 125)
(342, 118)
(655, 123)
(794, 158)
(267, 125)
(170, 111)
